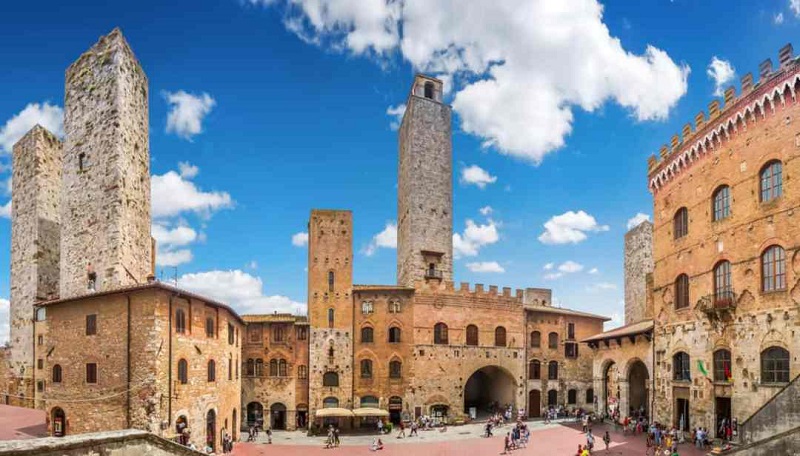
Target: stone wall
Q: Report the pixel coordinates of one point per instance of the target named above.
(780, 414)
(112, 443)
(785, 443)
(425, 187)
(756, 320)
(638, 264)
(105, 197)
(34, 247)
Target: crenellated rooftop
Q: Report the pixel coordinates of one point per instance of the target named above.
(707, 133)
(533, 296)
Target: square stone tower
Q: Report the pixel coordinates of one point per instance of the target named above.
(638, 273)
(35, 237)
(330, 307)
(425, 186)
(105, 206)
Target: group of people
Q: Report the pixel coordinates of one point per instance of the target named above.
(518, 437)
(332, 441)
(586, 450)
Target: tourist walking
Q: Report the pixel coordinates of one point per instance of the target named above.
(413, 429)
(606, 439)
(269, 435)
(507, 443)
(336, 437)
(402, 432)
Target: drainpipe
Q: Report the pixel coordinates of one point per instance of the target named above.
(128, 360)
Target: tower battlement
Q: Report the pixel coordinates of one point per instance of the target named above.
(710, 132)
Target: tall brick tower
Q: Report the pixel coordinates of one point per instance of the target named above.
(638, 271)
(425, 186)
(105, 194)
(34, 244)
(330, 307)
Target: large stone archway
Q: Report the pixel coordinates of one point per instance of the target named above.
(610, 388)
(638, 392)
(489, 389)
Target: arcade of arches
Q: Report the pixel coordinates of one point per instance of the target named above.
(489, 389)
(624, 388)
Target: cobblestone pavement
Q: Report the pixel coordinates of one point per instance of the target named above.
(18, 423)
(555, 439)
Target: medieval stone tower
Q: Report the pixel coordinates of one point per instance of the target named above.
(638, 273)
(105, 197)
(425, 186)
(330, 308)
(35, 235)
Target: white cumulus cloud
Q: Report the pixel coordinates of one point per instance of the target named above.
(387, 239)
(794, 5)
(48, 116)
(240, 290)
(473, 238)
(722, 73)
(778, 19)
(397, 112)
(569, 227)
(570, 267)
(485, 266)
(300, 239)
(187, 112)
(637, 220)
(475, 175)
(486, 210)
(173, 194)
(522, 66)
(187, 170)
(594, 271)
(5, 326)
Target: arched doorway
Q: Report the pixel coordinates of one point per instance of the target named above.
(534, 404)
(610, 388)
(211, 430)
(59, 420)
(488, 390)
(180, 427)
(255, 414)
(278, 416)
(552, 398)
(637, 389)
(395, 409)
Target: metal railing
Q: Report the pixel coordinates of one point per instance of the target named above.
(433, 274)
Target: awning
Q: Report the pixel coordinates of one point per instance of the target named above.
(333, 412)
(369, 411)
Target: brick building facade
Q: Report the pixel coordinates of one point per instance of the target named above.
(725, 251)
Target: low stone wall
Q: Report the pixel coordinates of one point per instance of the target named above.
(129, 442)
(784, 444)
(778, 415)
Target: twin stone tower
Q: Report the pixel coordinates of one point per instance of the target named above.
(81, 207)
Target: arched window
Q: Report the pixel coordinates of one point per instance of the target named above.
(775, 365)
(681, 366)
(722, 365)
(552, 397)
(367, 307)
(500, 336)
(723, 287)
(394, 306)
(210, 327)
(429, 90)
(230, 369)
(283, 368)
(302, 372)
(721, 205)
(590, 396)
(330, 379)
(440, 333)
(370, 401)
(250, 369)
(771, 181)
(682, 291)
(57, 373)
(472, 335)
(183, 372)
(366, 368)
(259, 367)
(394, 335)
(273, 368)
(180, 321)
(212, 371)
(552, 370)
(552, 340)
(395, 369)
(572, 396)
(330, 402)
(331, 280)
(366, 335)
(773, 269)
(536, 339)
(680, 223)
(535, 370)
(330, 318)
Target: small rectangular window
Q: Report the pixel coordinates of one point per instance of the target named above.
(91, 325)
(40, 386)
(81, 161)
(40, 363)
(571, 331)
(91, 373)
(230, 334)
(40, 340)
(302, 333)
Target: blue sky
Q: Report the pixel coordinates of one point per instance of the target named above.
(275, 107)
